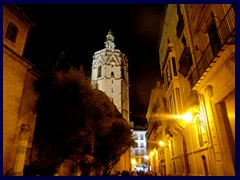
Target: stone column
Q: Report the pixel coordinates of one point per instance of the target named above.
(21, 150)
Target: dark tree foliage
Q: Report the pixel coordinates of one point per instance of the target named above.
(77, 123)
(111, 146)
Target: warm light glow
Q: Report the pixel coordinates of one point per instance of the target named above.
(151, 153)
(167, 116)
(133, 161)
(146, 157)
(161, 143)
(187, 117)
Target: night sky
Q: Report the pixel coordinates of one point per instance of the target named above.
(80, 30)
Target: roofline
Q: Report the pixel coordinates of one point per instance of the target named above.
(20, 13)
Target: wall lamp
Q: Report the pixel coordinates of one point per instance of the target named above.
(190, 116)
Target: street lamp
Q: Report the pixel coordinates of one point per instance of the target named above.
(161, 143)
(147, 160)
(151, 154)
(146, 157)
(187, 117)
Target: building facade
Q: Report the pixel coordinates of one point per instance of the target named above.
(139, 158)
(157, 137)
(19, 111)
(197, 62)
(110, 75)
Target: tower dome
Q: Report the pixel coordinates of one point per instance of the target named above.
(109, 43)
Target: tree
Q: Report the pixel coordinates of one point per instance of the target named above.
(75, 122)
(112, 145)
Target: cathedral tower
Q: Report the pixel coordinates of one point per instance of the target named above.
(110, 75)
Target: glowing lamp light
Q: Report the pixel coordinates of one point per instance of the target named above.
(151, 153)
(187, 117)
(133, 161)
(161, 143)
(146, 157)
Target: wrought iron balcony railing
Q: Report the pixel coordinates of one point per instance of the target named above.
(185, 61)
(226, 34)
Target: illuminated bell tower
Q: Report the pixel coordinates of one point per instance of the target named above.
(110, 75)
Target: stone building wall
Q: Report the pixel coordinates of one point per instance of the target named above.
(19, 98)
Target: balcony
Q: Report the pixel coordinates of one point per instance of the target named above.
(226, 34)
(185, 61)
(157, 125)
(191, 100)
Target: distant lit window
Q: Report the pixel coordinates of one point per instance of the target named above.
(141, 137)
(11, 33)
(99, 71)
(135, 145)
(136, 152)
(201, 131)
(141, 145)
(169, 76)
(135, 137)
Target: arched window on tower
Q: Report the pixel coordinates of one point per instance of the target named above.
(99, 71)
(122, 73)
(112, 74)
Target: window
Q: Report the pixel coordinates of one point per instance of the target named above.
(174, 66)
(180, 23)
(136, 152)
(112, 74)
(184, 42)
(141, 137)
(214, 39)
(135, 145)
(174, 167)
(99, 71)
(169, 75)
(11, 33)
(135, 137)
(141, 145)
(172, 147)
(201, 131)
(204, 161)
(172, 104)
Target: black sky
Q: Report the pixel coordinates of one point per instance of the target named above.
(80, 30)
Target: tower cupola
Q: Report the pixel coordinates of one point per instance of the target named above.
(109, 43)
